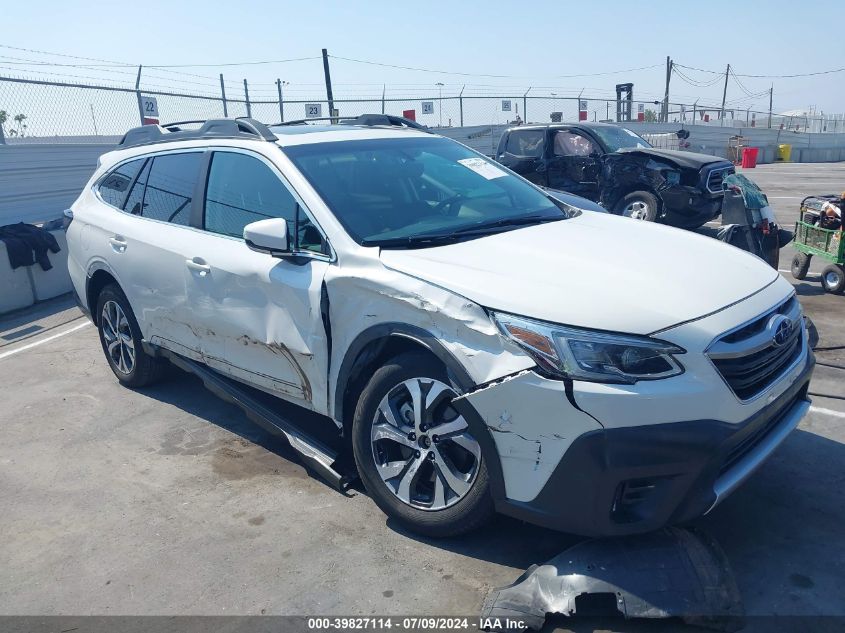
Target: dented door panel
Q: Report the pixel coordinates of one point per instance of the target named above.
(259, 318)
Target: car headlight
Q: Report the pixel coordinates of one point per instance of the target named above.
(591, 355)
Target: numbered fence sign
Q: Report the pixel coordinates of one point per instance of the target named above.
(150, 107)
(582, 105)
(506, 105)
(428, 107)
(313, 110)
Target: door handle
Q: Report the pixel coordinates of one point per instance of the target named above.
(198, 266)
(118, 243)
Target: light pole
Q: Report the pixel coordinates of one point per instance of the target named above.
(280, 84)
(440, 101)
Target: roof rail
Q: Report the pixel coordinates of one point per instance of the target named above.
(369, 120)
(243, 127)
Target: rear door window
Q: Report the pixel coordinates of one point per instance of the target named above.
(170, 187)
(114, 186)
(528, 143)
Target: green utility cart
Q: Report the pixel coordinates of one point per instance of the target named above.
(812, 239)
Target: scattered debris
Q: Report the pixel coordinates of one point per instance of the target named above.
(673, 572)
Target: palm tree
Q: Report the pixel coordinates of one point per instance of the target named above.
(19, 119)
(3, 118)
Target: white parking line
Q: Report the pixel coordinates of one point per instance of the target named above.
(823, 411)
(45, 340)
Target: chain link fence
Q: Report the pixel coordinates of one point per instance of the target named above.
(39, 111)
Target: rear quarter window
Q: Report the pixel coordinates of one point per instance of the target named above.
(114, 187)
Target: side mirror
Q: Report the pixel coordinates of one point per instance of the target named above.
(268, 236)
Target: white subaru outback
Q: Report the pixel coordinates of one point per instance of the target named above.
(475, 344)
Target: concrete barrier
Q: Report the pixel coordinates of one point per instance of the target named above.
(15, 287)
(47, 284)
(25, 285)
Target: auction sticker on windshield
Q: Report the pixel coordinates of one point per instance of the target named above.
(482, 168)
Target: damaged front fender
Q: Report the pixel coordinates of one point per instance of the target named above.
(533, 423)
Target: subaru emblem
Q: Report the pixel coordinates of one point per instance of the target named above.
(781, 329)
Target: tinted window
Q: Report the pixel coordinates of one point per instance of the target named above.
(170, 187)
(113, 188)
(242, 189)
(526, 143)
(135, 201)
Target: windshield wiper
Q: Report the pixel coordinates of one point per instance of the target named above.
(473, 230)
(413, 240)
(524, 220)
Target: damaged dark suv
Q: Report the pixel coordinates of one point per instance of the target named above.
(621, 170)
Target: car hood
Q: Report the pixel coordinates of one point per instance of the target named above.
(595, 270)
(690, 160)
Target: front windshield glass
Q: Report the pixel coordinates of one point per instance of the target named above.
(386, 191)
(616, 138)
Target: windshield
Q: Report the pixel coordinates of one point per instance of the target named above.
(405, 190)
(616, 138)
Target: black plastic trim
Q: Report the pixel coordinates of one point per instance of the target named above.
(386, 331)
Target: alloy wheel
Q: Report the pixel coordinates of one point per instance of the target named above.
(422, 447)
(636, 210)
(118, 337)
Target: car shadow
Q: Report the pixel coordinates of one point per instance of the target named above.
(19, 325)
(782, 533)
(804, 289)
(187, 392)
(782, 530)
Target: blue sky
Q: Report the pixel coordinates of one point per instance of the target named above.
(532, 43)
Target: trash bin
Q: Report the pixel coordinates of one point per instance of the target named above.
(749, 157)
(784, 152)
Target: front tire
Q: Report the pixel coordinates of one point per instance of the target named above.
(833, 279)
(800, 266)
(121, 339)
(415, 453)
(639, 205)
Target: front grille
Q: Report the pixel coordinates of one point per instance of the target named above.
(751, 357)
(716, 178)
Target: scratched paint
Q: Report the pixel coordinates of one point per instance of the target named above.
(531, 434)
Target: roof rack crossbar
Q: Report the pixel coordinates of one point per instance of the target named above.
(241, 127)
(370, 120)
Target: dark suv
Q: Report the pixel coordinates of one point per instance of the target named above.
(619, 169)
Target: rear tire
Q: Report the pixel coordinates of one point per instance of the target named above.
(800, 265)
(638, 205)
(121, 339)
(433, 484)
(833, 279)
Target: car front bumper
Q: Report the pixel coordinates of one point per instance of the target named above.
(688, 207)
(602, 481)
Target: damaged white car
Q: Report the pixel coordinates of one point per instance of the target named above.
(477, 345)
